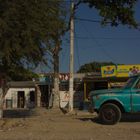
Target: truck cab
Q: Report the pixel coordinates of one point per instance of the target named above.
(110, 104)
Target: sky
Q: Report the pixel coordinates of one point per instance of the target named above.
(93, 42)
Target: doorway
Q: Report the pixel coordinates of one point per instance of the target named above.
(32, 99)
(21, 99)
(32, 96)
(44, 95)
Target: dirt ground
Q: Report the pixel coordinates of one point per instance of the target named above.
(43, 124)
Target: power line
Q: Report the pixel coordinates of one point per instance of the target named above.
(108, 38)
(104, 38)
(90, 20)
(63, 54)
(77, 50)
(98, 21)
(100, 46)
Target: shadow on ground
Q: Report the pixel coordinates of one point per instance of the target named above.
(92, 119)
(130, 118)
(18, 113)
(125, 118)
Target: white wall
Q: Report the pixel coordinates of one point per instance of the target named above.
(77, 98)
(12, 95)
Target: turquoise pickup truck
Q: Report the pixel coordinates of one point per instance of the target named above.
(110, 104)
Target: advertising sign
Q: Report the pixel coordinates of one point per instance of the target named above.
(127, 70)
(108, 71)
(64, 77)
(120, 70)
(64, 99)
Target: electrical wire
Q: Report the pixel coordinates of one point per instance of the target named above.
(98, 21)
(64, 52)
(103, 50)
(89, 20)
(77, 50)
(108, 38)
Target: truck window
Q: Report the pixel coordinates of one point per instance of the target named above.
(130, 82)
(138, 85)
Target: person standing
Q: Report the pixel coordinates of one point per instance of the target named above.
(130, 72)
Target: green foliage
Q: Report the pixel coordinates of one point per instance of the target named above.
(21, 74)
(114, 11)
(93, 67)
(24, 24)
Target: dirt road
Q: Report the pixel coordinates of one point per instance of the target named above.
(44, 124)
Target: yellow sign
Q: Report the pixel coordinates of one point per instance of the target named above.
(120, 70)
(127, 70)
(108, 71)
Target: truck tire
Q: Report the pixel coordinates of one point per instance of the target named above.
(109, 114)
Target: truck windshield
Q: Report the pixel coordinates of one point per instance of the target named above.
(130, 82)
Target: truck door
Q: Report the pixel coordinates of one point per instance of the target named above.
(136, 97)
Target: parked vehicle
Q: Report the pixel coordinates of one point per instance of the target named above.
(110, 104)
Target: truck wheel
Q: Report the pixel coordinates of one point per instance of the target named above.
(109, 114)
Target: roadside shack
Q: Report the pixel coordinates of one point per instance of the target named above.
(98, 83)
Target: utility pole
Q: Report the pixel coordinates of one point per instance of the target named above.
(71, 58)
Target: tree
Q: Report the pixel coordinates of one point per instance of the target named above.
(114, 12)
(3, 91)
(93, 67)
(24, 26)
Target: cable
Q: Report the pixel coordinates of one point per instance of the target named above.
(77, 50)
(63, 54)
(90, 20)
(98, 21)
(108, 38)
(100, 46)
